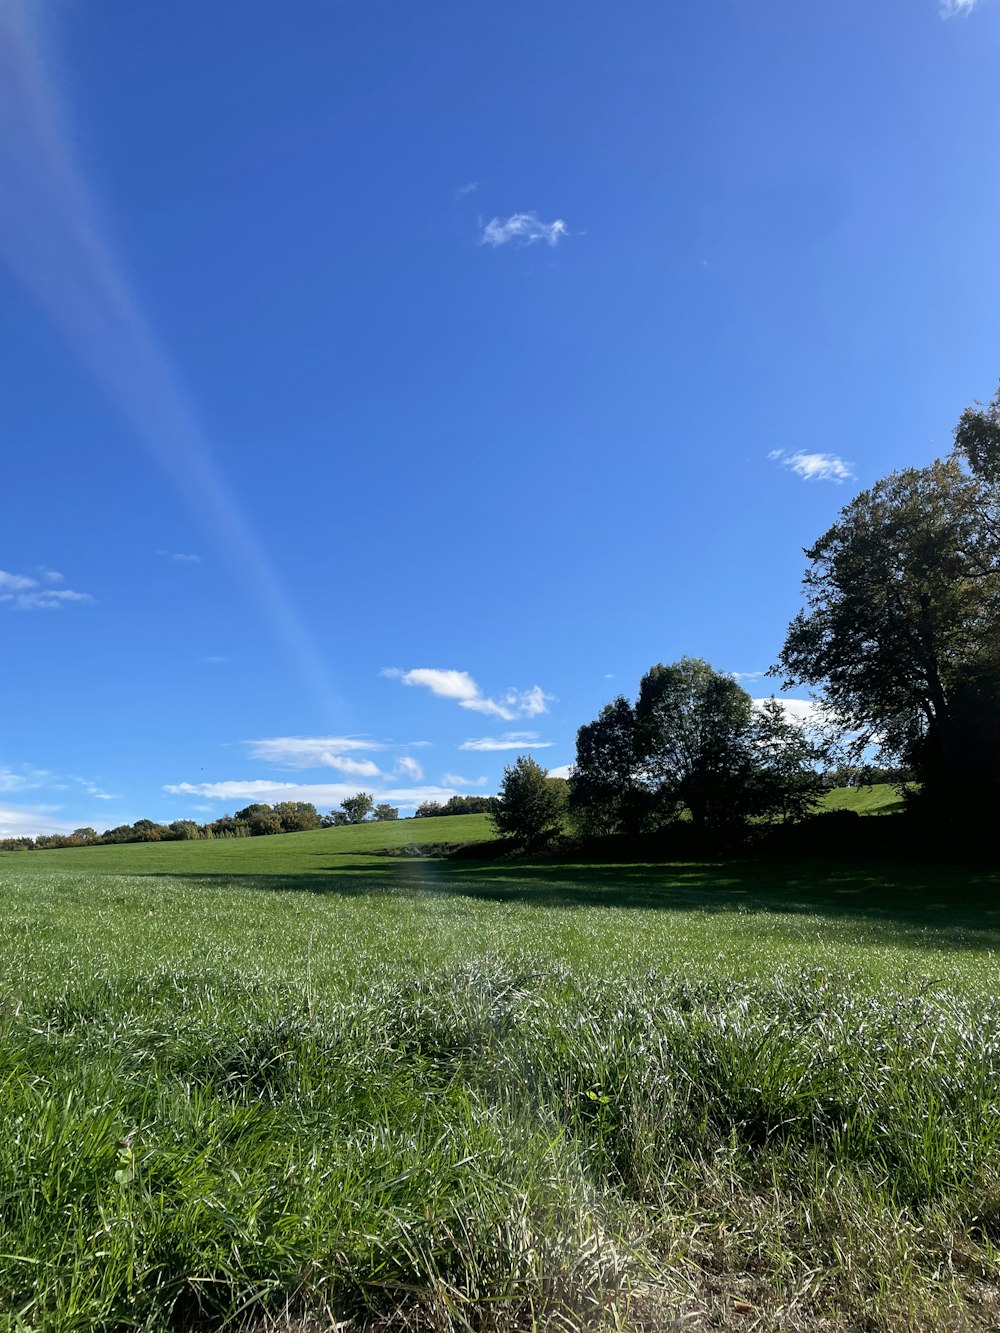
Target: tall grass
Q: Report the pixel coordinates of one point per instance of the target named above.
(232, 1108)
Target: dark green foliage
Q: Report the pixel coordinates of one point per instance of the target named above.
(902, 623)
(383, 812)
(693, 745)
(456, 805)
(694, 736)
(530, 809)
(260, 820)
(358, 808)
(606, 789)
(784, 783)
(296, 816)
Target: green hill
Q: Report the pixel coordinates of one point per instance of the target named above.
(881, 799)
(328, 849)
(283, 853)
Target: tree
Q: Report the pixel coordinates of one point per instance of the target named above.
(260, 820)
(384, 812)
(296, 816)
(606, 792)
(335, 819)
(357, 808)
(85, 835)
(901, 628)
(427, 809)
(529, 810)
(694, 737)
(785, 782)
(185, 830)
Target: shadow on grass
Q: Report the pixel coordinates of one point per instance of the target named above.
(961, 901)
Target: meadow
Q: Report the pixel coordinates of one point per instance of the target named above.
(301, 1082)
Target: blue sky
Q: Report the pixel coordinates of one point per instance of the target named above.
(385, 387)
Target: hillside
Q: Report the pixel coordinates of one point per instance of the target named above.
(327, 849)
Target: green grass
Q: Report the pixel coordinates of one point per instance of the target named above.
(279, 1082)
(880, 799)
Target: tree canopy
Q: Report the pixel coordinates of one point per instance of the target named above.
(901, 628)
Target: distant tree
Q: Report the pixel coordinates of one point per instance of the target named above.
(120, 833)
(385, 812)
(529, 810)
(296, 816)
(606, 790)
(223, 827)
(145, 830)
(86, 836)
(184, 830)
(427, 809)
(358, 808)
(335, 819)
(260, 820)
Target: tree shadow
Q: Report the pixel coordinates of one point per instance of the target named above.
(960, 904)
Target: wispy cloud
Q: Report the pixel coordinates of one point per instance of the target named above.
(25, 778)
(408, 767)
(456, 780)
(562, 771)
(28, 821)
(747, 675)
(522, 229)
(24, 593)
(181, 557)
(510, 740)
(814, 467)
(316, 752)
(470, 187)
(321, 794)
(460, 687)
(949, 9)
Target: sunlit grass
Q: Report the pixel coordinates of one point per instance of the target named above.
(496, 1096)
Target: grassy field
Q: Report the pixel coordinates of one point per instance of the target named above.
(292, 1082)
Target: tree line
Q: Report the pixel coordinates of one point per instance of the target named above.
(899, 638)
(253, 821)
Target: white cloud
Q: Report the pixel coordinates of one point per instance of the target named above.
(359, 768)
(29, 821)
(747, 675)
(949, 9)
(510, 740)
(456, 780)
(522, 229)
(27, 594)
(182, 557)
(409, 767)
(463, 690)
(807, 712)
(25, 780)
(470, 187)
(15, 582)
(563, 771)
(51, 575)
(814, 467)
(321, 794)
(311, 751)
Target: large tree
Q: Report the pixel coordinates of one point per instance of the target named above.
(694, 736)
(606, 792)
(901, 629)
